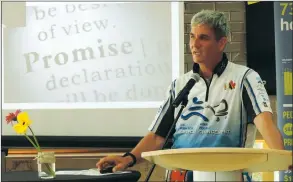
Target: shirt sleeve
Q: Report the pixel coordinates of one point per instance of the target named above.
(165, 115)
(254, 95)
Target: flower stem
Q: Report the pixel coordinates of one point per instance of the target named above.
(50, 169)
(38, 149)
(35, 138)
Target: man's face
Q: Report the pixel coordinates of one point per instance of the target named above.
(203, 44)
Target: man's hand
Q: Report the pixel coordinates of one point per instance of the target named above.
(120, 163)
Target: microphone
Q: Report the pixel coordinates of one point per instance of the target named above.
(185, 91)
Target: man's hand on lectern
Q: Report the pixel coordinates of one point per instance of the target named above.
(119, 163)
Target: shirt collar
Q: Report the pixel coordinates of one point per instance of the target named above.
(219, 69)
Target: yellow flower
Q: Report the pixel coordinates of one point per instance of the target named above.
(20, 129)
(23, 123)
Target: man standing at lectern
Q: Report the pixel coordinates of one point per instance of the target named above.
(225, 107)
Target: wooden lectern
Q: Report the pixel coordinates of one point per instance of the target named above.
(221, 159)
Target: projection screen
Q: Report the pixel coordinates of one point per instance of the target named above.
(91, 69)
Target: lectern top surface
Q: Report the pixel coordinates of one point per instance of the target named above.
(221, 159)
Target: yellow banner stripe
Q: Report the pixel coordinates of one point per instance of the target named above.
(252, 2)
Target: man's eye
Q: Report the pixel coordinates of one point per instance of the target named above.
(204, 37)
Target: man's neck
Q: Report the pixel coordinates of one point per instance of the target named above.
(206, 69)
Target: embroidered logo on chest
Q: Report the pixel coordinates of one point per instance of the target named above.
(230, 86)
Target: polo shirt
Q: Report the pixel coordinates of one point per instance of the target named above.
(219, 113)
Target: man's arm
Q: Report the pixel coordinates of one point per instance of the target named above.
(269, 131)
(158, 129)
(150, 142)
(259, 112)
(154, 139)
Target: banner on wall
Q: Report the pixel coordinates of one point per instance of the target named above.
(283, 13)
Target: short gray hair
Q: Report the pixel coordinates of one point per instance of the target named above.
(215, 19)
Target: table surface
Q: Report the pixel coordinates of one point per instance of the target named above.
(17, 176)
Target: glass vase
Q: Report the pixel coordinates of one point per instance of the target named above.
(46, 165)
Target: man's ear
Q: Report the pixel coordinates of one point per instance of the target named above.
(222, 43)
